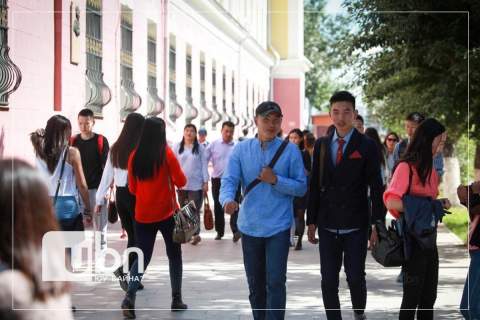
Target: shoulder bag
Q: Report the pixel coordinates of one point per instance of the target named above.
(187, 218)
(272, 163)
(71, 224)
(112, 207)
(389, 249)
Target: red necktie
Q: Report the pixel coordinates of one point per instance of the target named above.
(340, 150)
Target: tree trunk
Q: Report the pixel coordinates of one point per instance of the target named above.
(476, 164)
(451, 178)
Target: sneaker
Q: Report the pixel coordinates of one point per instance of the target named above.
(400, 278)
(360, 316)
(195, 239)
(218, 237)
(236, 236)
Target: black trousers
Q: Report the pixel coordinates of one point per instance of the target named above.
(351, 249)
(420, 281)
(218, 210)
(125, 202)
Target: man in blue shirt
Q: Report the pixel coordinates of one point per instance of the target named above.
(266, 214)
(338, 205)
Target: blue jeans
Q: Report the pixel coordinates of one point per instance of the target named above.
(471, 291)
(265, 261)
(334, 248)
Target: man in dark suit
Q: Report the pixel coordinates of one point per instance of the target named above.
(339, 204)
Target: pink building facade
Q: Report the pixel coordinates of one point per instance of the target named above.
(200, 62)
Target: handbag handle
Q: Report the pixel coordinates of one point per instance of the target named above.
(169, 183)
(59, 181)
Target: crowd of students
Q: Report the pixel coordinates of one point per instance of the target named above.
(343, 181)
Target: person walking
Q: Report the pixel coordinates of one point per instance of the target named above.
(265, 216)
(191, 156)
(345, 162)
(51, 149)
(417, 164)
(93, 151)
(218, 152)
(151, 168)
(391, 140)
(116, 172)
(300, 203)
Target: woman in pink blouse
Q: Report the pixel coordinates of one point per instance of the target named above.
(420, 272)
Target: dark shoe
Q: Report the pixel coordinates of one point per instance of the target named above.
(122, 278)
(298, 246)
(177, 303)
(360, 316)
(128, 305)
(74, 309)
(140, 286)
(218, 237)
(236, 236)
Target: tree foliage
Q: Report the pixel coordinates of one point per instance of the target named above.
(417, 60)
(321, 31)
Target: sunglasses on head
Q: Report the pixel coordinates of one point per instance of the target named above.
(392, 140)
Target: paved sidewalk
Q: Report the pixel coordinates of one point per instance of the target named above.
(215, 286)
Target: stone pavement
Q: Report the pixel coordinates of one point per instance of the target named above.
(215, 286)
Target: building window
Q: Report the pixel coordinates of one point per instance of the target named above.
(97, 93)
(10, 76)
(155, 105)
(191, 112)
(205, 112)
(217, 116)
(202, 71)
(175, 110)
(129, 99)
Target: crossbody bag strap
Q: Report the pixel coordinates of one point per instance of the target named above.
(322, 164)
(271, 165)
(59, 181)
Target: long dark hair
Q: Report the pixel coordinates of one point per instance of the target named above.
(373, 133)
(150, 153)
(195, 141)
(50, 145)
(419, 150)
(24, 219)
(300, 134)
(127, 141)
(388, 135)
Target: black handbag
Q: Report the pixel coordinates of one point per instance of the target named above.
(388, 250)
(112, 209)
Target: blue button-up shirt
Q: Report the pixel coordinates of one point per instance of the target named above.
(334, 145)
(267, 209)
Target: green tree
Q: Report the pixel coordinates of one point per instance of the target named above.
(413, 56)
(321, 32)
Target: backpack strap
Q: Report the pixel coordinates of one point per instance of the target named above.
(100, 144)
(74, 139)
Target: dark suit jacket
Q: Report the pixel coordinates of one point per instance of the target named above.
(344, 203)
